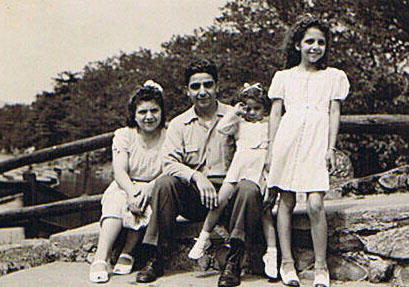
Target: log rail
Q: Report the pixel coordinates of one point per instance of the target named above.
(372, 124)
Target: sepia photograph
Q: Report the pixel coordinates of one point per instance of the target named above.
(223, 143)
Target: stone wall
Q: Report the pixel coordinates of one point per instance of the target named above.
(368, 240)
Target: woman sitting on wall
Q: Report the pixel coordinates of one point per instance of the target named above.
(136, 164)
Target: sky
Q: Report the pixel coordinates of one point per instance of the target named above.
(41, 38)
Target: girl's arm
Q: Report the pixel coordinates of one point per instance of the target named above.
(228, 125)
(334, 118)
(274, 122)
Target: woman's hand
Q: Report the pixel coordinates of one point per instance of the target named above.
(208, 194)
(330, 160)
(139, 199)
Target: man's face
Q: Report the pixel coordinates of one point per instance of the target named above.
(202, 91)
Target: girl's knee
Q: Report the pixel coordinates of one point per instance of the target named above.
(315, 204)
(287, 200)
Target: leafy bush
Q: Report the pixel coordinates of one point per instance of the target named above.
(370, 43)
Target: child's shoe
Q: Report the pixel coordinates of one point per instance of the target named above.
(199, 248)
(270, 263)
(321, 277)
(289, 277)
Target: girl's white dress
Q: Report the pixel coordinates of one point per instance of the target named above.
(300, 145)
(144, 165)
(251, 143)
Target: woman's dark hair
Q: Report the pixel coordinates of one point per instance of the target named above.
(147, 93)
(201, 66)
(298, 31)
(257, 93)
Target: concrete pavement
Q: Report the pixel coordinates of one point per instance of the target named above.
(65, 274)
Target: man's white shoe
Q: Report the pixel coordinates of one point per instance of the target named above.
(199, 249)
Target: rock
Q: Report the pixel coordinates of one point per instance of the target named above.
(345, 270)
(392, 243)
(344, 171)
(379, 270)
(391, 181)
(304, 258)
(24, 254)
(401, 276)
(394, 181)
(404, 274)
(344, 242)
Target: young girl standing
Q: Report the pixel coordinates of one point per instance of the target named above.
(303, 139)
(248, 123)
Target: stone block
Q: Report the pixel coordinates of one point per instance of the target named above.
(344, 242)
(345, 270)
(379, 270)
(391, 243)
(25, 254)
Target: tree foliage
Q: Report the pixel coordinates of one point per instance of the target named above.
(370, 42)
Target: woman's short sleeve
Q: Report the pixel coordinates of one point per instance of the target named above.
(120, 142)
(341, 86)
(276, 90)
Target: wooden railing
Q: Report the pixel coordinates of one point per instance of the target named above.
(373, 124)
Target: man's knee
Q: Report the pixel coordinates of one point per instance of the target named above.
(248, 190)
(165, 183)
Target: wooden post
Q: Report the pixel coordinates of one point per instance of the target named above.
(30, 199)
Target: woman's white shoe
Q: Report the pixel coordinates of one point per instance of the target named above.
(321, 277)
(122, 268)
(100, 276)
(289, 278)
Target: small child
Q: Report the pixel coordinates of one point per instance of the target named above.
(248, 123)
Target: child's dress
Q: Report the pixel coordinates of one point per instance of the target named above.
(301, 142)
(144, 165)
(252, 143)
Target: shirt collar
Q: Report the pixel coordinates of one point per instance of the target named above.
(191, 115)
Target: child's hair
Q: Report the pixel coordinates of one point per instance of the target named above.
(298, 31)
(257, 93)
(201, 66)
(151, 91)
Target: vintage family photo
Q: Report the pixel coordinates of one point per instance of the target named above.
(204, 143)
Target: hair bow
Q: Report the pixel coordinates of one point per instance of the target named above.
(247, 87)
(152, 84)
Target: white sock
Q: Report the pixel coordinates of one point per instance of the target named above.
(204, 235)
(271, 249)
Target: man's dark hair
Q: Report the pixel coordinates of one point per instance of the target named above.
(201, 66)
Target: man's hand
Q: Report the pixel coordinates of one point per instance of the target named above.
(208, 194)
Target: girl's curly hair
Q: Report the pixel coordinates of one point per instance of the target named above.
(298, 31)
(146, 93)
(257, 93)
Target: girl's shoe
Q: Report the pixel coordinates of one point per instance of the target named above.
(98, 276)
(321, 278)
(270, 263)
(122, 268)
(199, 249)
(289, 278)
